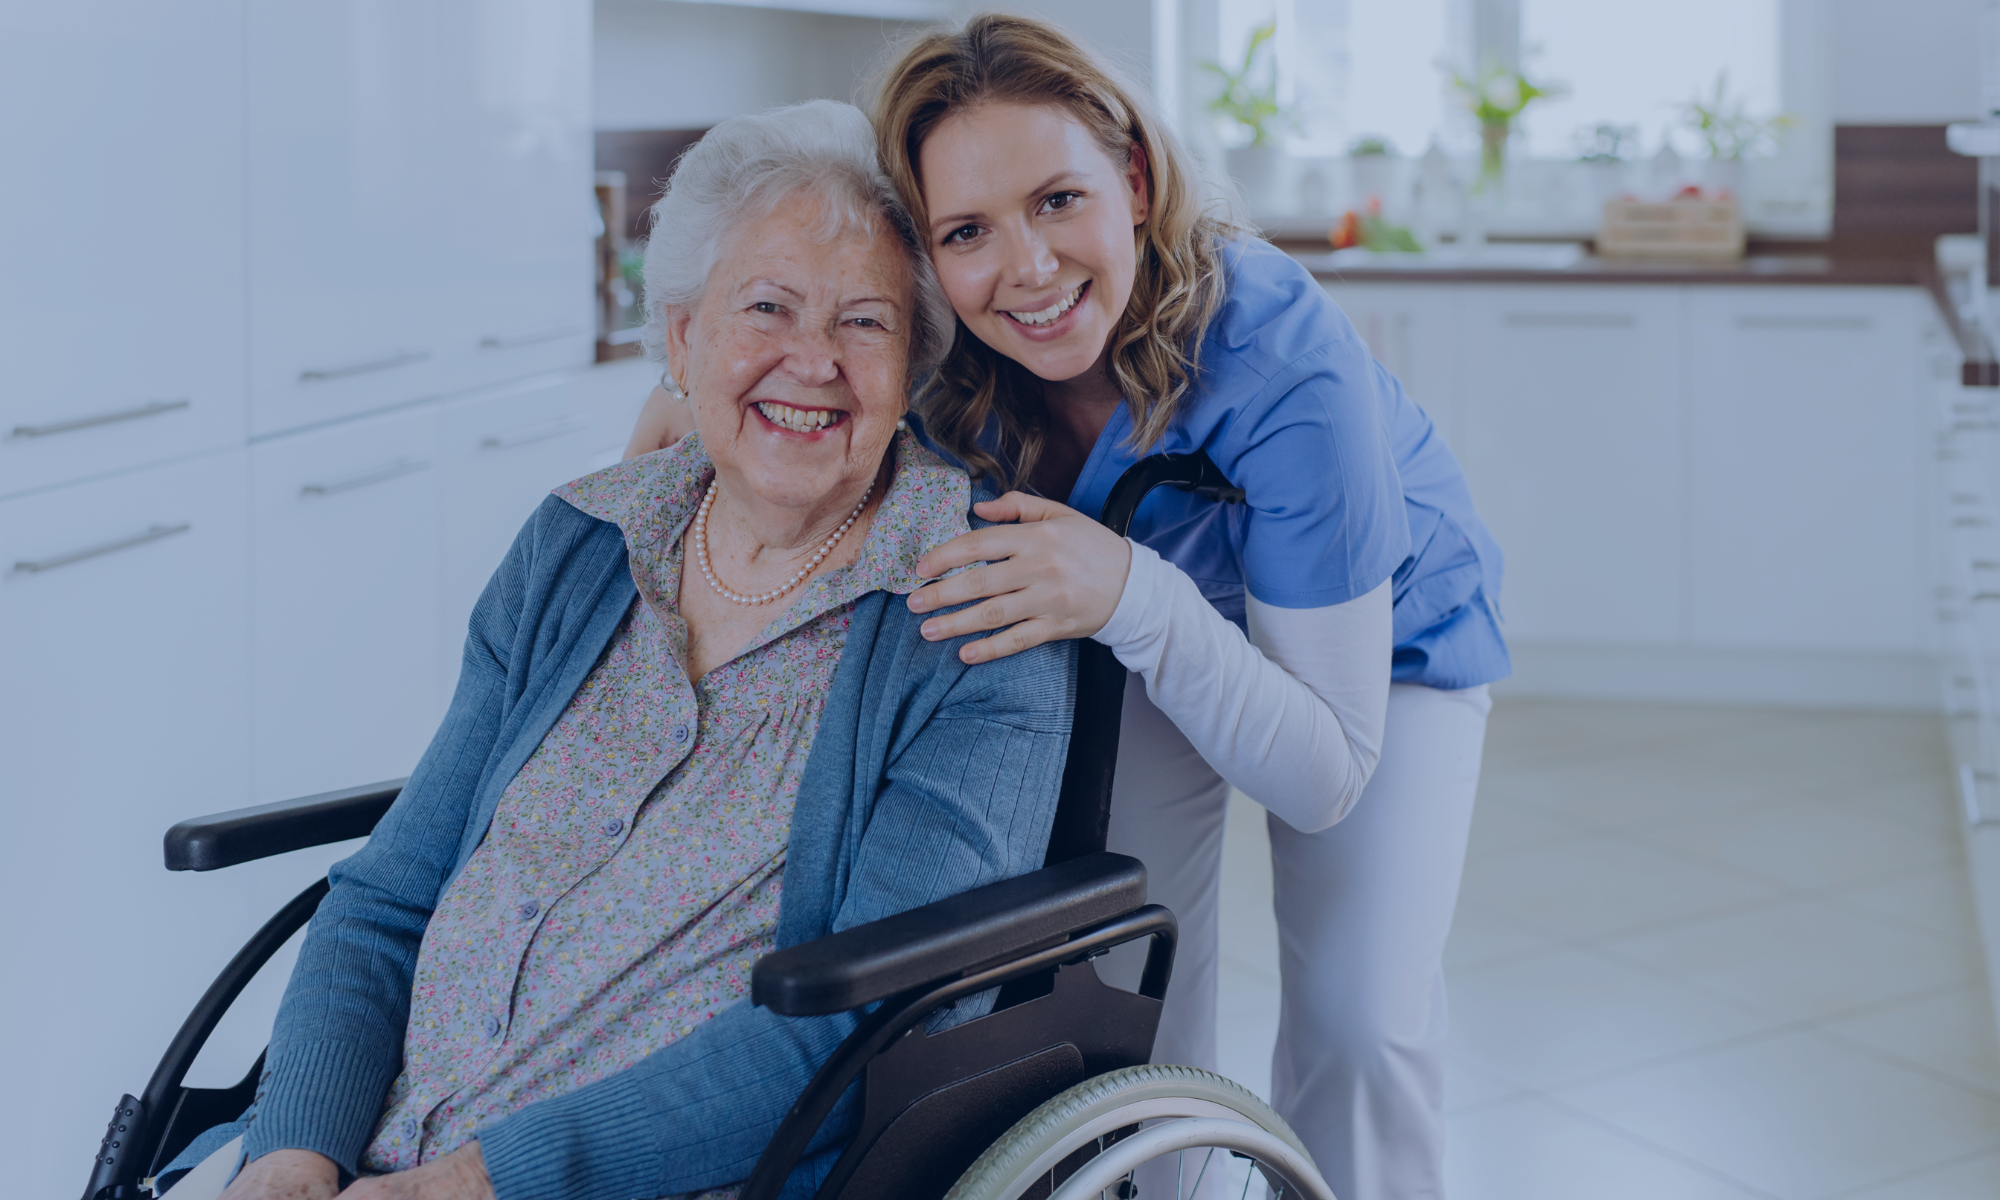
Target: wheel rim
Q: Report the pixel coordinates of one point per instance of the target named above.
(1115, 1163)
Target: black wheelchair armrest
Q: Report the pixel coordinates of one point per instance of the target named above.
(949, 938)
(246, 834)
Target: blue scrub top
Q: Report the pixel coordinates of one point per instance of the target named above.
(1347, 481)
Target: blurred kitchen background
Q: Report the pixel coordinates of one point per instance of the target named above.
(303, 309)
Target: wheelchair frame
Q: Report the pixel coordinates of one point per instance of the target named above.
(1054, 1025)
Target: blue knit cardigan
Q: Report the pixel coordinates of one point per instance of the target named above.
(925, 779)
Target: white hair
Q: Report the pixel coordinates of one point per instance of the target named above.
(742, 169)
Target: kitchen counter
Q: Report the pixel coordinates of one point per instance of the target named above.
(1567, 263)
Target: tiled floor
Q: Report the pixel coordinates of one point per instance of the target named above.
(1702, 954)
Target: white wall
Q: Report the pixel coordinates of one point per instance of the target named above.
(662, 64)
(1904, 62)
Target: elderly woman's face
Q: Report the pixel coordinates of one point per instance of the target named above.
(796, 356)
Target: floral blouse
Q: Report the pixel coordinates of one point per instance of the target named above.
(632, 872)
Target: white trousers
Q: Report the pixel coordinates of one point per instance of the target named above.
(1363, 910)
(209, 1177)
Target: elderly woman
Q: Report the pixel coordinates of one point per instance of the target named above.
(693, 724)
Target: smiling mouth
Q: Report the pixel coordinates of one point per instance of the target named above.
(1053, 312)
(799, 420)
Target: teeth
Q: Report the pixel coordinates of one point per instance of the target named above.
(1052, 311)
(798, 420)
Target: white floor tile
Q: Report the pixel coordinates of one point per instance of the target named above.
(1572, 1014)
(1633, 790)
(1591, 885)
(1527, 1149)
(1951, 1032)
(1977, 1179)
(1500, 827)
(1928, 801)
(1796, 1115)
(1937, 900)
(1523, 731)
(1803, 959)
(1804, 845)
(1480, 935)
(1469, 1085)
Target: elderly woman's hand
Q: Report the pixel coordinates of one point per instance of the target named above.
(286, 1175)
(460, 1175)
(1053, 574)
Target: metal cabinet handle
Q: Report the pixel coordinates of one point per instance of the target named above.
(535, 433)
(395, 470)
(1804, 322)
(1571, 320)
(152, 408)
(507, 341)
(31, 566)
(402, 358)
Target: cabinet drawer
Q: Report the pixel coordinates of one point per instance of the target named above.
(121, 237)
(1572, 440)
(503, 453)
(124, 707)
(345, 595)
(1806, 442)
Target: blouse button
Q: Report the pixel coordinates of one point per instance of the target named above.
(680, 733)
(528, 910)
(492, 1026)
(612, 827)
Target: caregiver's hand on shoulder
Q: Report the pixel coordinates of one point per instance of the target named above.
(1051, 574)
(664, 421)
(460, 1175)
(286, 1175)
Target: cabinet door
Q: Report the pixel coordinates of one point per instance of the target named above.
(1572, 438)
(345, 594)
(504, 452)
(519, 224)
(419, 200)
(124, 707)
(348, 184)
(1806, 455)
(1413, 330)
(121, 318)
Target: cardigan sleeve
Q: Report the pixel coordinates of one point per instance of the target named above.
(337, 1043)
(967, 799)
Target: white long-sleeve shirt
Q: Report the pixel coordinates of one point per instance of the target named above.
(1292, 715)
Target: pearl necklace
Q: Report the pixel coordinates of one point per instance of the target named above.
(701, 551)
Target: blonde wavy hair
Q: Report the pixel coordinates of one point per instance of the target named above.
(1178, 281)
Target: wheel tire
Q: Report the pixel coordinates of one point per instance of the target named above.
(1075, 1120)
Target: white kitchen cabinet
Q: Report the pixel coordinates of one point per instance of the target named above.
(346, 653)
(418, 201)
(124, 707)
(1806, 502)
(503, 453)
(121, 248)
(519, 284)
(1413, 330)
(1573, 441)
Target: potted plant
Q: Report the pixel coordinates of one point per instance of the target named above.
(1496, 97)
(1374, 163)
(1248, 105)
(1725, 126)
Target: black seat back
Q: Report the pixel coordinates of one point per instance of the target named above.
(1083, 814)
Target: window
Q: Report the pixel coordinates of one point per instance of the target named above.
(1634, 62)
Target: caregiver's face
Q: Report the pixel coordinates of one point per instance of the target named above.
(1031, 228)
(796, 356)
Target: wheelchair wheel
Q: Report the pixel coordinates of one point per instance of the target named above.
(1176, 1130)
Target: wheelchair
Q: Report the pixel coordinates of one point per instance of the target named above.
(1049, 1096)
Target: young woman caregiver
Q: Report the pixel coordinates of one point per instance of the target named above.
(1105, 315)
